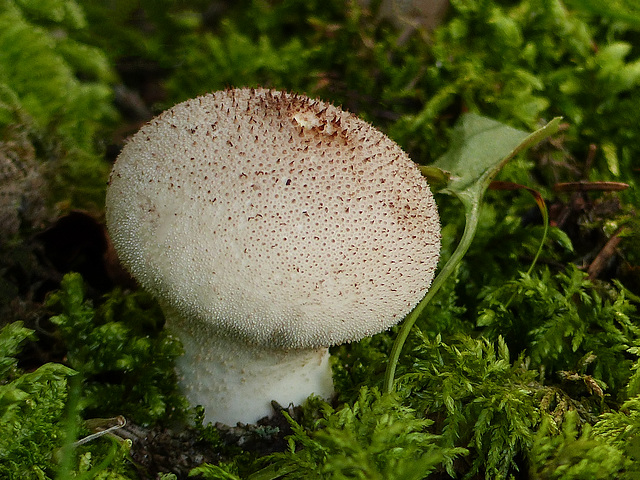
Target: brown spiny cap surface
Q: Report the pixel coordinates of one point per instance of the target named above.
(277, 218)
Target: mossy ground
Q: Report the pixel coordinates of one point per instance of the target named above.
(507, 374)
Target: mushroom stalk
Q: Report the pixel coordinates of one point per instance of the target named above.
(236, 381)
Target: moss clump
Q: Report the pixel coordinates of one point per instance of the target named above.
(57, 89)
(121, 352)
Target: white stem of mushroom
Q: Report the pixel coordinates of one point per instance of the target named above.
(235, 381)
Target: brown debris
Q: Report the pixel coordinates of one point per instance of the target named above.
(22, 187)
(604, 257)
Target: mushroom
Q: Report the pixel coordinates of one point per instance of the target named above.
(269, 226)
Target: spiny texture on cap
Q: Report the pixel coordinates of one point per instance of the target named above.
(281, 219)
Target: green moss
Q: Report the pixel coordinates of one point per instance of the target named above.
(561, 320)
(575, 453)
(480, 399)
(59, 90)
(509, 374)
(31, 410)
(376, 438)
(35, 419)
(126, 360)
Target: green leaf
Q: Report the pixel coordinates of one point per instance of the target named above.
(482, 147)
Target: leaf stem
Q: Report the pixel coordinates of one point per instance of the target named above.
(472, 207)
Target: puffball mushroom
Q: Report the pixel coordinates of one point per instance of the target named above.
(269, 226)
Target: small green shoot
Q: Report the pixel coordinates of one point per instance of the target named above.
(545, 218)
(71, 427)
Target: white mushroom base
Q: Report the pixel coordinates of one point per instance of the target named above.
(236, 382)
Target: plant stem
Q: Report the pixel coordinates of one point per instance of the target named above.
(71, 427)
(472, 207)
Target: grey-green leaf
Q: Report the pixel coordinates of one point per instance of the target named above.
(481, 146)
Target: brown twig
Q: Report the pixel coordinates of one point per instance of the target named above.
(606, 253)
(590, 186)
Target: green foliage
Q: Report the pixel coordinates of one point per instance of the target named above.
(575, 455)
(233, 57)
(622, 10)
(503, 247)
(215, 472)
(633, 387)
(58, 89)
(292, 45)
(561, 320)
(491, 58)
(63, 12)
(30, 412)
(107, 461)
(34, 419)
(621, 429)
(375, 438)
(445, 312)
(480, 399)
(520, 62)
(360, 363)
(31, 406)
(12, 336)
(125, 359)
(608, 449)
(149, 31)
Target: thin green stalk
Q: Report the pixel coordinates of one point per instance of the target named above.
(68, 451)
(545, 219)
(471, 207)
(71, 427)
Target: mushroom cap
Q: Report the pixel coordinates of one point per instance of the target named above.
(281, 220)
